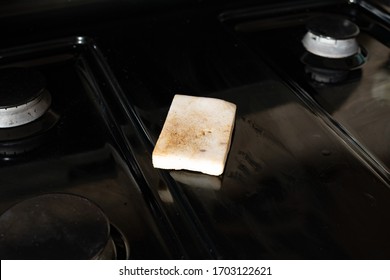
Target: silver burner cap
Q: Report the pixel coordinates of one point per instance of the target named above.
(329, 47)
(25, 113)
(331, 37)
(23, 97)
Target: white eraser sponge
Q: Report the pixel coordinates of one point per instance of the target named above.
(196, 135)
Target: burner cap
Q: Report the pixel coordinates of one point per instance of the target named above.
(335, 27)
(332, 50)
(19, 85)
(54, 226)
(331, 37)
(23, 97)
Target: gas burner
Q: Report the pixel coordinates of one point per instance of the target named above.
(23, 96)
(56, 226)
(25, 114)
(332, 37)
(332, 50)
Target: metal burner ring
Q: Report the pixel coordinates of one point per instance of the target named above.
(330, 47)
(25, 113)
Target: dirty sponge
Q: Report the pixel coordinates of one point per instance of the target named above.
(196, 135)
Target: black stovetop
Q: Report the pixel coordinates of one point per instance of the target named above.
(307, 176)
(81, 155)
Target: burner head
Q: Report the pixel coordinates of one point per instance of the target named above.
(55, 226)
(23, 97)
(332, 50)
(335, 27)
(25, 114)
(331, 37)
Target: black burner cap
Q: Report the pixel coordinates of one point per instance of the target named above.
(19, 86)
(334, 27)
(53, 226)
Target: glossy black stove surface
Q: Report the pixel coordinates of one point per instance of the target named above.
(307, 173)
(294, 185)
(78, 156)
(360, 103)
